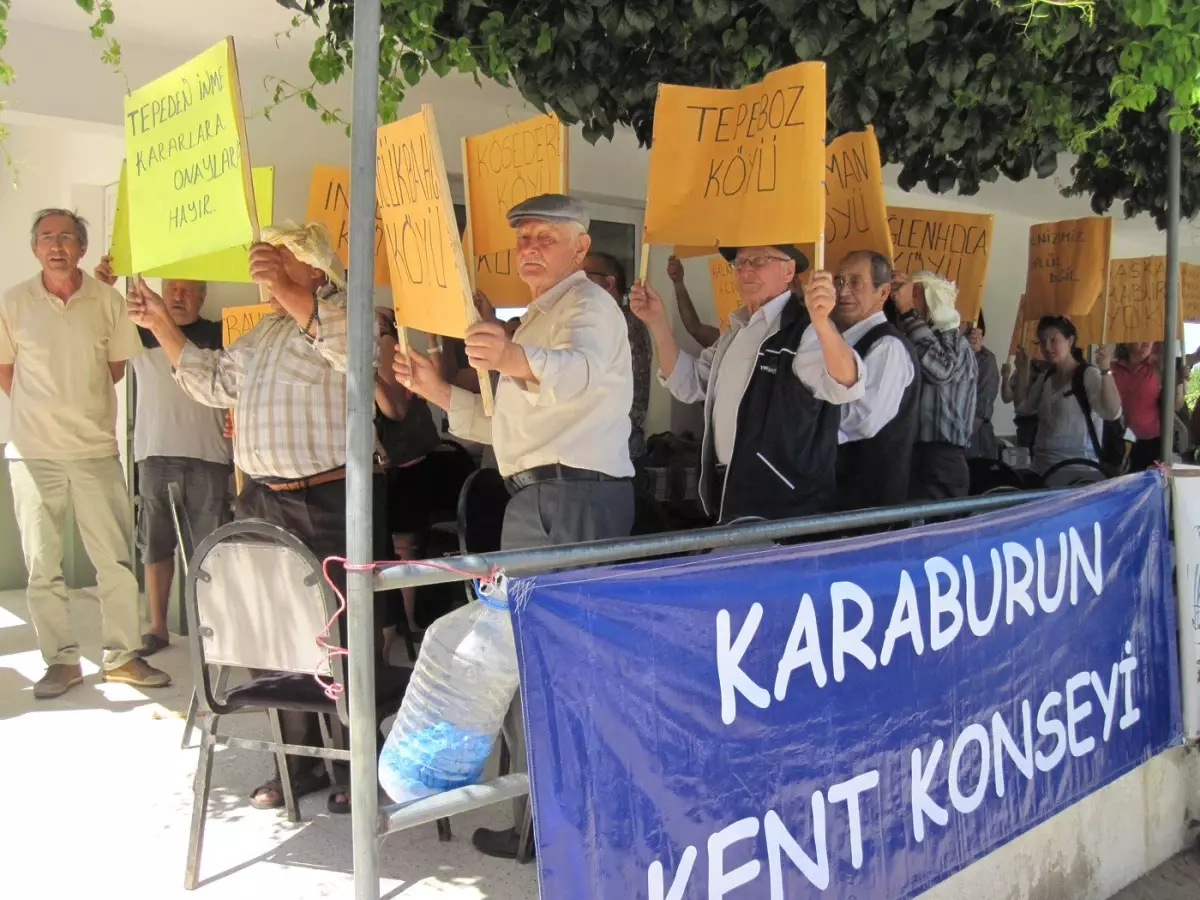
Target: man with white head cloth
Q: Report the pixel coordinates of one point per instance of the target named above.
(285, 381)
(946, 417)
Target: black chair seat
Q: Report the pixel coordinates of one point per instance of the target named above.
(302, 693)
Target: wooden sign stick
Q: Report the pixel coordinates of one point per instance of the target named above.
(468, 251)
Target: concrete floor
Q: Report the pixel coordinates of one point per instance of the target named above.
(97, 800)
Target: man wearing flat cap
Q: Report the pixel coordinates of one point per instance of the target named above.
(560, 428)
(285, 381)
(771, 386)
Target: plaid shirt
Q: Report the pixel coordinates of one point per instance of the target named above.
(288, 395)
(948, 389)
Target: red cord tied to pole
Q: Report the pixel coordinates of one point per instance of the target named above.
(332, 688)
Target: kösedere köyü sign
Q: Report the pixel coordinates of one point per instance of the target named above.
(739, 167)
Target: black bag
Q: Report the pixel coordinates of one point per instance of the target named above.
(1110, 452)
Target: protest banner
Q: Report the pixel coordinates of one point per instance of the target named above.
(1137, 300)
(1189, 291)
(726, 297)
(780, 720)
(430, 282)
(188, 172)
(739, 167)
(1185, 485)
(231, 265)
(496, 276)
(955, 245)
(329, 203)
(237, 320)
(507, 166)
(1068, 266)
(856, 213)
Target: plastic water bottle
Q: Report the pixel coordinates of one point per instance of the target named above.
(465, 678)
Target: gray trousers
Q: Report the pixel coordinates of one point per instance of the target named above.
(546, 515)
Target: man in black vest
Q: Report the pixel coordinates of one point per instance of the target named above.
(877, 432)
(771, 388)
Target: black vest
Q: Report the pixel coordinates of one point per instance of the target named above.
(874, 472)
(785, 454)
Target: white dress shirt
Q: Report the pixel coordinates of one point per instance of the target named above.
(693, 378)
(889, 373)
(577, 412)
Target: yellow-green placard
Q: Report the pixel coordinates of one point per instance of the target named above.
(188, 169)
(229, 265)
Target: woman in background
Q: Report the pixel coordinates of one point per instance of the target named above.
(987, 389)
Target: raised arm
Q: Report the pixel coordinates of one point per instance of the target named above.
(685, 376)
(704, 335)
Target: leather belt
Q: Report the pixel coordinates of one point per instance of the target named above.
(338, 474)
(556, 472)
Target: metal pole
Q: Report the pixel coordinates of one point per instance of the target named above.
(1172, 343)
(360, 402)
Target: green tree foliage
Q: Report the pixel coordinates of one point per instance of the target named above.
(959, 91)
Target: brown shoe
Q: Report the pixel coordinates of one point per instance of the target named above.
(138, 673)
(59, 679)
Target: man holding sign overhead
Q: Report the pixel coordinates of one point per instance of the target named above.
(771, 388)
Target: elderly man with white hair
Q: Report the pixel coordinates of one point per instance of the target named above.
(561, 423)
(929, 319)
(285, 381)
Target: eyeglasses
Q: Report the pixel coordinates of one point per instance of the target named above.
(50, 240)
(755, 262)
(855, 284)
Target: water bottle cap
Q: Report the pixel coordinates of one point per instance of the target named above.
(495, 594)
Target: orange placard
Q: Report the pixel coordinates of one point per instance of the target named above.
(856, 213)
(683, 252)
(1137, 300)
(237, 320)
(496, 275)
(739, 167)
(430, 287)
(1068, 266)
(955, 245)
(1189, 291)
(507, 166)
(726, 297)
(329, 203)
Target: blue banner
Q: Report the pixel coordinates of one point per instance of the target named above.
(851, 719)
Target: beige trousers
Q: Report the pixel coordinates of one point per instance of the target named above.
(96, 490)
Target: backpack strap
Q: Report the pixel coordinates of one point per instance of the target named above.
(1085, 406)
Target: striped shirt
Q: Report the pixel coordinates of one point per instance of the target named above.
(948, 390)
(288, 395)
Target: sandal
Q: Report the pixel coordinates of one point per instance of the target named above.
(339, 807)
(151, 644)
(270, 794)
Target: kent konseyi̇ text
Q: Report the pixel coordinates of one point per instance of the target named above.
(747, 168)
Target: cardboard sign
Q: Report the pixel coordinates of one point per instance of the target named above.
(329, 203)
(739, 167)
(856, 213)
(237, 320)
(726, 297)
(955, 245)
(1068, 266)
(188, 169)
(507, 166)
(1189, 292)
(1137, 300)
(430, 286)
(231, 265)
(684, 252)
(496, 275)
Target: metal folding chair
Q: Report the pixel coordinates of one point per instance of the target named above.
(256, 598)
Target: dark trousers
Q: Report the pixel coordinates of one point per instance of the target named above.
(939, 472)
(567, 512)
(317, 516)
(1144, 454)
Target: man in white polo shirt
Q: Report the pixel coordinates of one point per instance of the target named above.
(64, 342)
